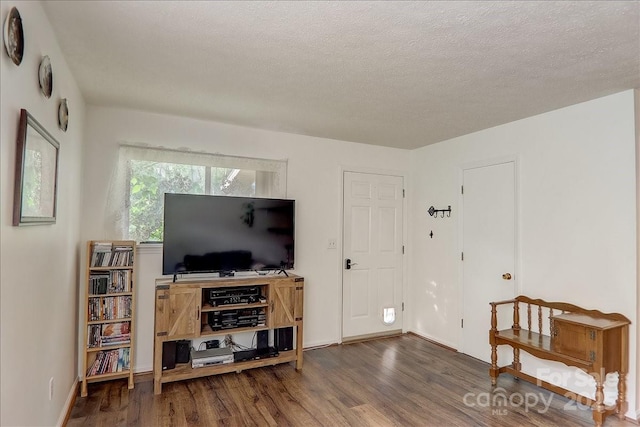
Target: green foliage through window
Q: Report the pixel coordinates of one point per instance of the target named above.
(149, 181)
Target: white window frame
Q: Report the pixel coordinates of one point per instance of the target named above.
(271, 177)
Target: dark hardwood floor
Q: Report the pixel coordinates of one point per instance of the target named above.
(399, 381)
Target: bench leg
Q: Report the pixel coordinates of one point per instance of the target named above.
(622, 406)
(493, 371)
(598, 407)
(516, 359)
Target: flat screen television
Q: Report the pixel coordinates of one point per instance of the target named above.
(205, 234)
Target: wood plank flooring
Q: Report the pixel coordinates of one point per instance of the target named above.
(398, 381)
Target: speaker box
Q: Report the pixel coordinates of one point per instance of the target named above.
(284, 339)
(263, 340)
(168, 355)
(183, 351)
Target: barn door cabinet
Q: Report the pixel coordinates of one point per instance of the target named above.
(184, 311)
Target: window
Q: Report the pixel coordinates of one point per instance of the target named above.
(144, 175)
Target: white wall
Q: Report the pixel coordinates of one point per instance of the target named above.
(39, 274)
(577, 205)
(314, 180)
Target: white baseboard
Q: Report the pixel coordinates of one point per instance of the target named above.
(143, 369)
(314, 344)
(71, 398)
(426, 336)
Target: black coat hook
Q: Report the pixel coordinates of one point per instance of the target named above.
(434, 212)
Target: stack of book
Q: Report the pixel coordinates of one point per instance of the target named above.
(94, 309)
(106, 255)
(101, 254)
(116, 333)
(119, 281)
(122, 256)
(110, 361)
(113, 308)
(105, 334)
(103, 282)
(99, 282)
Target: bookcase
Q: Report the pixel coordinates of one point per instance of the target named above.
(109, 308)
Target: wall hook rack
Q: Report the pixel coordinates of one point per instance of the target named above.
(434, 212)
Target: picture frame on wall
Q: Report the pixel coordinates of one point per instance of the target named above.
(36, 178)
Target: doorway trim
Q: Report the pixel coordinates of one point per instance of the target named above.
(340, 252)
(491, 161)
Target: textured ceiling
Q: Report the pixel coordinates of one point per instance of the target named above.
(401, 74)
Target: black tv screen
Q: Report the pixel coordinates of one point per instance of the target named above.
(205, 234)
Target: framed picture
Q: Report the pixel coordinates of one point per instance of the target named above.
(36, 180)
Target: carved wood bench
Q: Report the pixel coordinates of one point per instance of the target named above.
(596, 342)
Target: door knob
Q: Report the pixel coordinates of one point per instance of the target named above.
(506, 276)
(348, 264)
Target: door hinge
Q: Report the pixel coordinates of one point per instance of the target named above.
(462, 256)
(402, 306)
(462, 323)
(403, 193)
(402, 249)
(462, 189)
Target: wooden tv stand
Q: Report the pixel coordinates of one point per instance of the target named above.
(595, 342)
(182, 311)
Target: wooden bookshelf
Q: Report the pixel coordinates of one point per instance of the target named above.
(109, 312)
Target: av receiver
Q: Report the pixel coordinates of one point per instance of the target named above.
(227, 296)
(241, 318)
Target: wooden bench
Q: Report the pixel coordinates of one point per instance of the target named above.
(593, 341)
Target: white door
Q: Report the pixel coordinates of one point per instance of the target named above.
(372, 245)
(488, 240)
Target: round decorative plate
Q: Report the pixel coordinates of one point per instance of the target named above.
(45, 77)
(63, 114)
(14, 36)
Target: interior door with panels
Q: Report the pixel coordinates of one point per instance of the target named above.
(373, 250)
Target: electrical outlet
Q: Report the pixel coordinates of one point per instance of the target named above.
(333, 244)
(51, 388)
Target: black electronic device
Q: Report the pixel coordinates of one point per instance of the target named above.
(183, 351)
(205, 234)
(262, 340)
(283, 338)
(254, 354)
(168, 355)
(240, 318)
(212, 344)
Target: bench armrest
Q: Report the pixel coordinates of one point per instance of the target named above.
(507, 301)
